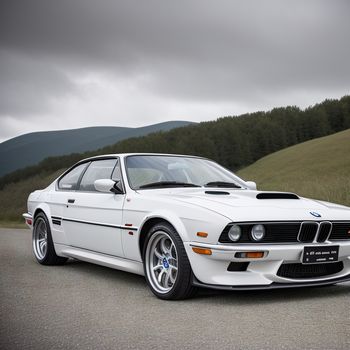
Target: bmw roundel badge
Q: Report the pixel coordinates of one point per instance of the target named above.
(313, 213)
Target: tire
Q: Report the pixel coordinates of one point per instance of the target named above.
(167, 268)
(43, 248)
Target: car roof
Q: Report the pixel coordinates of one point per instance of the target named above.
(123, 155)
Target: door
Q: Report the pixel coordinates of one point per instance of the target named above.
(92, 219)
(57, 200)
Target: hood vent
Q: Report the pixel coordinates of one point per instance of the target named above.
(276, 195)
(217, 192)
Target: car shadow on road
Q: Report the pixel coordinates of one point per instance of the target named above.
(102, 272)
(208, 296)
(273, 295)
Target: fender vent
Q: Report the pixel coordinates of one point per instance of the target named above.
(276, 195)
(217, 192)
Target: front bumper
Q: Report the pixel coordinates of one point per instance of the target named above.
(28, 217)
(273, 285)
(212, 270)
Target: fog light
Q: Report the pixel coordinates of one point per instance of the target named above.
(254, 255)
(249, 255)
(258, 232)
(234, 234)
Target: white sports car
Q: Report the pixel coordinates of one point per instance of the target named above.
(186, 222)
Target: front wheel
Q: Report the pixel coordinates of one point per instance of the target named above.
(167, 268)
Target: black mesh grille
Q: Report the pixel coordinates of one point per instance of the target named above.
(323, 233)
(340, 230)
(308, 232)
(309, 271)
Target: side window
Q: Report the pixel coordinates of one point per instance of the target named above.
(70, 180)
(99, 169)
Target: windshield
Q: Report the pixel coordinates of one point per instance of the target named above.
(152, 171)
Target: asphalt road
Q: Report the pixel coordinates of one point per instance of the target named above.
(85, 306)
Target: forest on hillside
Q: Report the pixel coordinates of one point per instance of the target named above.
(234, 142)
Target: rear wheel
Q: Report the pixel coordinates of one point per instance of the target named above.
(167, 268)
(43, 247)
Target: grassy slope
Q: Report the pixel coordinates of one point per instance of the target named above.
(13, 198)
(319, 168)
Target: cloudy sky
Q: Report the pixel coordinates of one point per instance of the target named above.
(76, 63)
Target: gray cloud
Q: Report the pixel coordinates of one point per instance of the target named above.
(76, 63)
(28, 84)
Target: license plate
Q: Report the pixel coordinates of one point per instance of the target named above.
(312, 255)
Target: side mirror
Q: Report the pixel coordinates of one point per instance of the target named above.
(108, 185)
(117, 188)
(251, 185)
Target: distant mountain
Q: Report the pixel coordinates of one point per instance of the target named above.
(30, 149)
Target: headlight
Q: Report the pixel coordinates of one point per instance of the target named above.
(258, 232)
(234, 234)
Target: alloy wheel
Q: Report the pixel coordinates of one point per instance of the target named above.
(40, 238)
(161, 262)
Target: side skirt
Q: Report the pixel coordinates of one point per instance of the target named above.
(100, 259)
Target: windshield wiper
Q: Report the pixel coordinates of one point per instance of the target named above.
(222, 184)
(168, 184)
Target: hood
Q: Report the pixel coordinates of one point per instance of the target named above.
(248, 205)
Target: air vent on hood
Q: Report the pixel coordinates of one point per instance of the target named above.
(217, 192)
(276, 195)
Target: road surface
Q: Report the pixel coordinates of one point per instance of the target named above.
(85, 306)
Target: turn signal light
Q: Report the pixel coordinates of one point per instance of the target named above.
(250, 255)
(254, 255)
(202, 234)
(203, 251)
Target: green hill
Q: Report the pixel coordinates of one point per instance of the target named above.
(29, 149)
(319, 168)
(14, 197)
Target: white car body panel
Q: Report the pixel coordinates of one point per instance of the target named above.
(105, 228)
(98, 208)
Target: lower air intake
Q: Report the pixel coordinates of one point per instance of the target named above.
(238, 266)
(309, 271)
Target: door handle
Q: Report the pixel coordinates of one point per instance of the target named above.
(71, 200)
